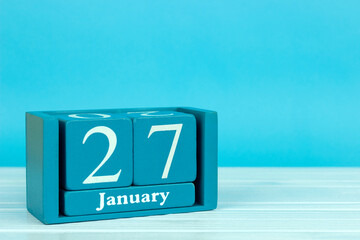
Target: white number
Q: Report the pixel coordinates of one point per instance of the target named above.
(171, 127)
(90, 115)
(112, 144)
(147, 113)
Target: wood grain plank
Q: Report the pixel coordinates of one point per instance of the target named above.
(254, 203)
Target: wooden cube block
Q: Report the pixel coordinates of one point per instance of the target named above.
(164, 147)
(95, 151)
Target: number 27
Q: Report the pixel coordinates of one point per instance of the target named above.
(91, 179)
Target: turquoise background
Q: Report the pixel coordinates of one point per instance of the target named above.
(283, 75)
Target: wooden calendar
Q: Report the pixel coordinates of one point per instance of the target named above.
(103, 164)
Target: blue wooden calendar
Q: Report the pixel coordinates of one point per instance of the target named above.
(104, 164)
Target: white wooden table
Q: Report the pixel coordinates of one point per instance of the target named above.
(254, 203)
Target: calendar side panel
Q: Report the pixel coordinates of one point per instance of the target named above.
(206, 183)
(42, 166)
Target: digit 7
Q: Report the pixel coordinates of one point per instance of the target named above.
(171, 127)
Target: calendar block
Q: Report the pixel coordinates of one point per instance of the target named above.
(127, 199)
(95, 151)
(164, 147)
(102, 164)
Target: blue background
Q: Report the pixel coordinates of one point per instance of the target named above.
(283, 75)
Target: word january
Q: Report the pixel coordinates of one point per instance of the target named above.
(131, 199)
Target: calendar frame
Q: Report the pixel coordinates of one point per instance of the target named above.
(42, 166)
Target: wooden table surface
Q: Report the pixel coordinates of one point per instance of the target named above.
(254, 203)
